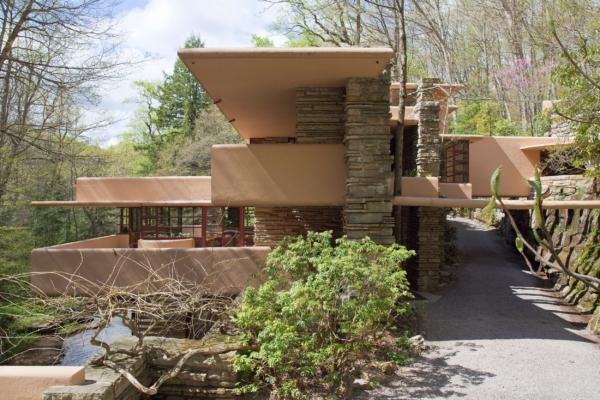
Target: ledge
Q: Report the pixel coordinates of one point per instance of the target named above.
(480, 203)
(29, 382)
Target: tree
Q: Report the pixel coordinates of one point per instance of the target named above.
(167, 115)
(191, 155)
(41, 81)
(579, 77)
(261, 41)
(181, 96)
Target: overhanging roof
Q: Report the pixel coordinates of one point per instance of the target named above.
(256, 88)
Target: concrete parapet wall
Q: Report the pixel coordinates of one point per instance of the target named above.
(223, 270)
(420, 186)
(456, 190)
(278, 175)
(104, 242)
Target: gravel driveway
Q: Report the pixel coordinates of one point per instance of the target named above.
(495, 333)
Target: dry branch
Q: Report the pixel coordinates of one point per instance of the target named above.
(166, 301)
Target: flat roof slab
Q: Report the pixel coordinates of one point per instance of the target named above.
(256, 88)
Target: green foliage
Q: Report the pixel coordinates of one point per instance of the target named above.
(536, 184)
(483, 118)
(401, 355)
(580, 95)
(321, 307)
(519, 244)
(304, 39)
(541, 124)
(15, 248)
(191, 154)
(261, 41)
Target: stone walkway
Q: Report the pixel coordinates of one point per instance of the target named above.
(495, 333)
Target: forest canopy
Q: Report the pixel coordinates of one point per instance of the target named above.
(511, 56)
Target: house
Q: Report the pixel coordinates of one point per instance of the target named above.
(318, 126)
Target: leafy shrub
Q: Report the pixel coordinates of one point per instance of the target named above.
(320, 309)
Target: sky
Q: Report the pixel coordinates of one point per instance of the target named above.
(155, 29)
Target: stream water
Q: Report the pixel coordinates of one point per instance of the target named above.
(77, 348)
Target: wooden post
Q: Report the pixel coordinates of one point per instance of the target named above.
(203, 226)
(121, 220)
(242, 226)
(223, 212)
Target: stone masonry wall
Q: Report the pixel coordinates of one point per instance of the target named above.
(319, 115)
(431, 241)
(274, 223)
(369, 181)
(430, 221)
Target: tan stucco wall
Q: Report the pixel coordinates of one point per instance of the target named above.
(456, 190)
(104, 242)
(226, 270)
(166, 244)
(419, 186)
(30, 382)
(488, 153)
(143, 189)
(278, 175)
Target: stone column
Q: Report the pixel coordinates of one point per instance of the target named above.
(431, 221)
(369, 181)
(429, 143)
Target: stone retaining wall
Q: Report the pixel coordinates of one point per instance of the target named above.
(203, 376)
(573, 231)
(570, 187)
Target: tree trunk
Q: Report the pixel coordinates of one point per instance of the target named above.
(400, 30)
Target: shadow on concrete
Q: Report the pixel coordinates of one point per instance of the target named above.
(431, 377)
(494, 298)
(473, 327)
